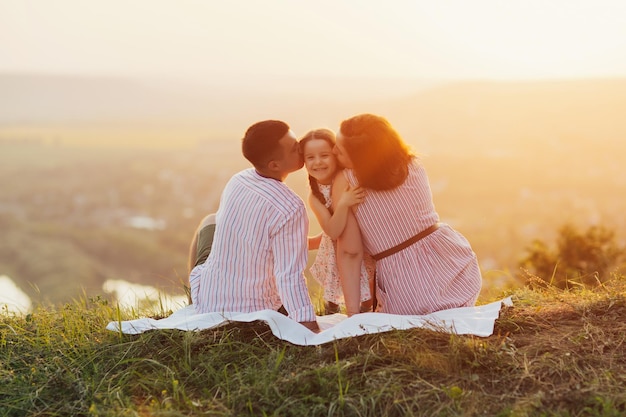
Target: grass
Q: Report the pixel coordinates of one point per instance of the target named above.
(554, 353)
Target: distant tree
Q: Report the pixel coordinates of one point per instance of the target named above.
(580, 258)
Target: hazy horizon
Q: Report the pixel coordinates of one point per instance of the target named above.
(112, 111)
(163, 72)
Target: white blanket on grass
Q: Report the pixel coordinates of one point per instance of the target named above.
(477, 321)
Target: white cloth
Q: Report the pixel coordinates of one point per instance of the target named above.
(478, 321)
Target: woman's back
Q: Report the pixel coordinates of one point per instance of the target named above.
(437, 272)
(393, 216)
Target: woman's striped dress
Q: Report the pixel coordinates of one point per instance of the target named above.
(437, 272)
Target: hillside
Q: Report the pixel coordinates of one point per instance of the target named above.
(173, 112)
(553, 353)
(560, 122)
(528, 117)
(454, 117)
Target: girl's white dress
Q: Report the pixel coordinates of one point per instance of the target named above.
(324, 268)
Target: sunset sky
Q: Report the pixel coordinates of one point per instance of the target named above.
(243, 40)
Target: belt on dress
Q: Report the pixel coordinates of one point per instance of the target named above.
(406, 243)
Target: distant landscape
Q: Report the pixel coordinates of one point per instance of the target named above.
(107, 179)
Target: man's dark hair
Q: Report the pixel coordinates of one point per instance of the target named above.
(260, 143)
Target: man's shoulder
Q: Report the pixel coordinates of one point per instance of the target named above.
(245, 173)
(274, 192)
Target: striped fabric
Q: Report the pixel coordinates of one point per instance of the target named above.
(438, 272)
(259, 251)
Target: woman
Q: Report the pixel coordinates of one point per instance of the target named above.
(421, 265)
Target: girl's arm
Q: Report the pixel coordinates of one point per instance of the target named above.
(345, 197)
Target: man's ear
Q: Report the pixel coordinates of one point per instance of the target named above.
(273, 166)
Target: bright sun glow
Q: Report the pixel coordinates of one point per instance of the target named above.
(405, 38)
(537, 38)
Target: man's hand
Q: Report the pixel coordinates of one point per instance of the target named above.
(311, 325)
(314, 242)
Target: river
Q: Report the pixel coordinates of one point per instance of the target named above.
(128, 295)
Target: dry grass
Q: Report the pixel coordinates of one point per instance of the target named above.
(553, 353)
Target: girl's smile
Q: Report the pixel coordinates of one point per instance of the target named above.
(320, 161)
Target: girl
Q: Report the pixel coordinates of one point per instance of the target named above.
(353, 286)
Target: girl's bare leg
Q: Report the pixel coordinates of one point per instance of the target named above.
(349, 259)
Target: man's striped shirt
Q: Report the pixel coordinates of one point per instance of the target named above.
(259, 251)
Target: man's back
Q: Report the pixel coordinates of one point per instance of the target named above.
(259, 251)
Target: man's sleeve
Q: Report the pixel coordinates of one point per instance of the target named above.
(289, 245)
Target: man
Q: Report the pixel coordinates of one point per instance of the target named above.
(255, 246)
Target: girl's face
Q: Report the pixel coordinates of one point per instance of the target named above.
(340, 151)
(319, 160)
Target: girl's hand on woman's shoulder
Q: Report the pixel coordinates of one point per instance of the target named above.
(352, 195)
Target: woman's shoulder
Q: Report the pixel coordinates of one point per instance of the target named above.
(340, 176)
(416, 164)
(415, 160)
(346, 176)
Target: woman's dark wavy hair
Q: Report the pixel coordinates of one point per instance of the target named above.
(379, 156)
(328, 136)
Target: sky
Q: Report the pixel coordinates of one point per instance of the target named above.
(240, 40)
